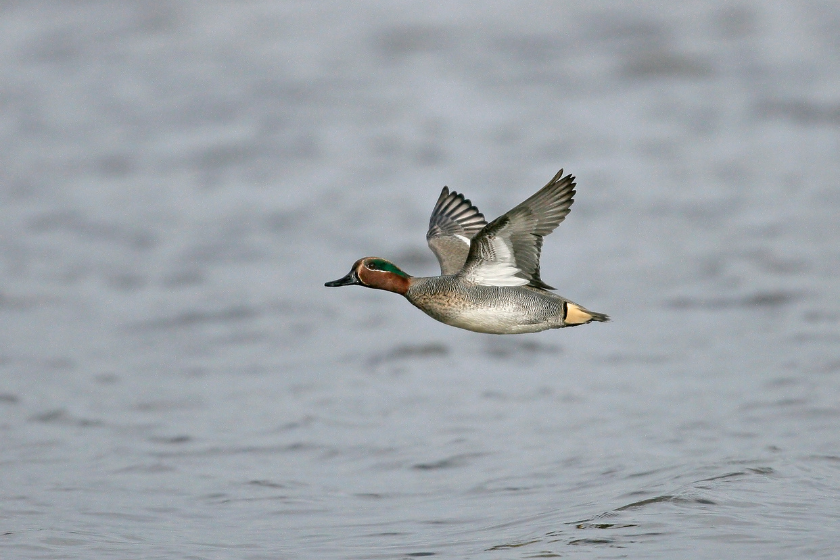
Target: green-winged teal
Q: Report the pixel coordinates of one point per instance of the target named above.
(490, 273)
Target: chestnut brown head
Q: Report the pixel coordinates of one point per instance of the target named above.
(376, 273)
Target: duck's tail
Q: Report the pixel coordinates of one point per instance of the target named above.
(574, 315)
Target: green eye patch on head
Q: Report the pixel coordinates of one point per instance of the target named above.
(385, 266)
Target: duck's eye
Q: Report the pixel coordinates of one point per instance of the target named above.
(370, 266)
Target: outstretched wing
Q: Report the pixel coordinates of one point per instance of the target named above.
(507, 251)
(454, 222)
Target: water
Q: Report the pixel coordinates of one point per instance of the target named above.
(179, 180)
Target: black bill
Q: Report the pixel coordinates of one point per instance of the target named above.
(351, 279)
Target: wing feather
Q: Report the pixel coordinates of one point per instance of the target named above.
(454, 222)
(507, 251)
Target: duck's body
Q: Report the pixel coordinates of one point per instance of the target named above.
(490, 278)
(494, 309)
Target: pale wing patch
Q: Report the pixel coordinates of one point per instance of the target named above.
(499, 272)
(464, 239)
(496, 274)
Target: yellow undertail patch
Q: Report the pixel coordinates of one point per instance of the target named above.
(576, 315)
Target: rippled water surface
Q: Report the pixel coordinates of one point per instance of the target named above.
(178, 180)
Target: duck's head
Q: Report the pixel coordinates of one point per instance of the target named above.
(376, 273)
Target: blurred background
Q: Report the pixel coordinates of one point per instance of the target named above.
(179, 179)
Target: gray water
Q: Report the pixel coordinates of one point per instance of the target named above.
(179, 179)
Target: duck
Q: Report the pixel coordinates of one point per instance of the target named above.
(489, 272)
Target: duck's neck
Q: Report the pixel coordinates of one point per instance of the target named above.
(391, 282)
